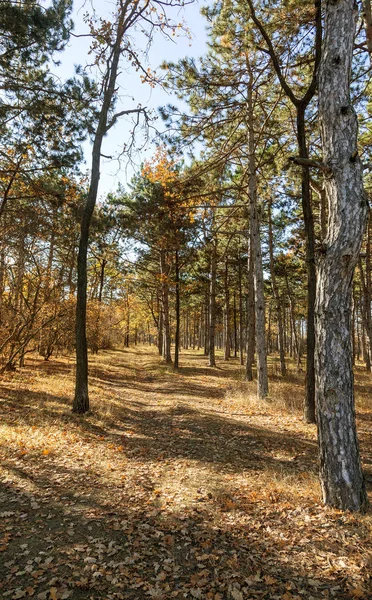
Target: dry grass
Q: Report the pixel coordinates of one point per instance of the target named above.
(189, 455)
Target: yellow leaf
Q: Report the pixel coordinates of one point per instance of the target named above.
(358, 592)
(53, 593)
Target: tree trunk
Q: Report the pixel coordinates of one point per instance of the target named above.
(241, 337)
(261, 357)
(160, 330)
(235, 327)
(294, 335)
(165, 305)
(309, 405)
(250, 319)
(368, 20)
(301, 105)
(2, 277)
(340, 467)
(177, 335)
(81, 400)
(127, 328)
(212, 304)
(283, 369)
(367, 290)
(226, 315)
(206, 321)
(365, 302)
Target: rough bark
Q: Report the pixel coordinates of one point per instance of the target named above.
(340, 467)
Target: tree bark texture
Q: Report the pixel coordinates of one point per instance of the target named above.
(340, 467)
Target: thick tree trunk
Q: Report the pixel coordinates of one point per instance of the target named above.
(340, 467)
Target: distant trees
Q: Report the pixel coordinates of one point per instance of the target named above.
(39, 147)
(220, 253)
(158, 215)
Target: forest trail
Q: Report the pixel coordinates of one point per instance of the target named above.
(176, 485)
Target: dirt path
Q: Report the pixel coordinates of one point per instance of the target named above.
(174, 487)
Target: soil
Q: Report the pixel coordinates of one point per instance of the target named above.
(175, 485)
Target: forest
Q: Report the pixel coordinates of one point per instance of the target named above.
(186, 358)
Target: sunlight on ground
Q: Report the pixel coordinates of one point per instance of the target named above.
(190, 457)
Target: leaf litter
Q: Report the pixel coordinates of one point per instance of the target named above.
(172, 487)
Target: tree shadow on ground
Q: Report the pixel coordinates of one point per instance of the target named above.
(112, 531)
(131, 548)
(176, 432)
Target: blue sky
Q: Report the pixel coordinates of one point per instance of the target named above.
(132, 91)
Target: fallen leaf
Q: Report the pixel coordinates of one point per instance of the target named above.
(53, 593)
(236, 594)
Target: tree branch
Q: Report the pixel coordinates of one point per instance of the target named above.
(121, 114)
(308, 162)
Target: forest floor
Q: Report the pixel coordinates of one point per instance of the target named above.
(175, 485)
